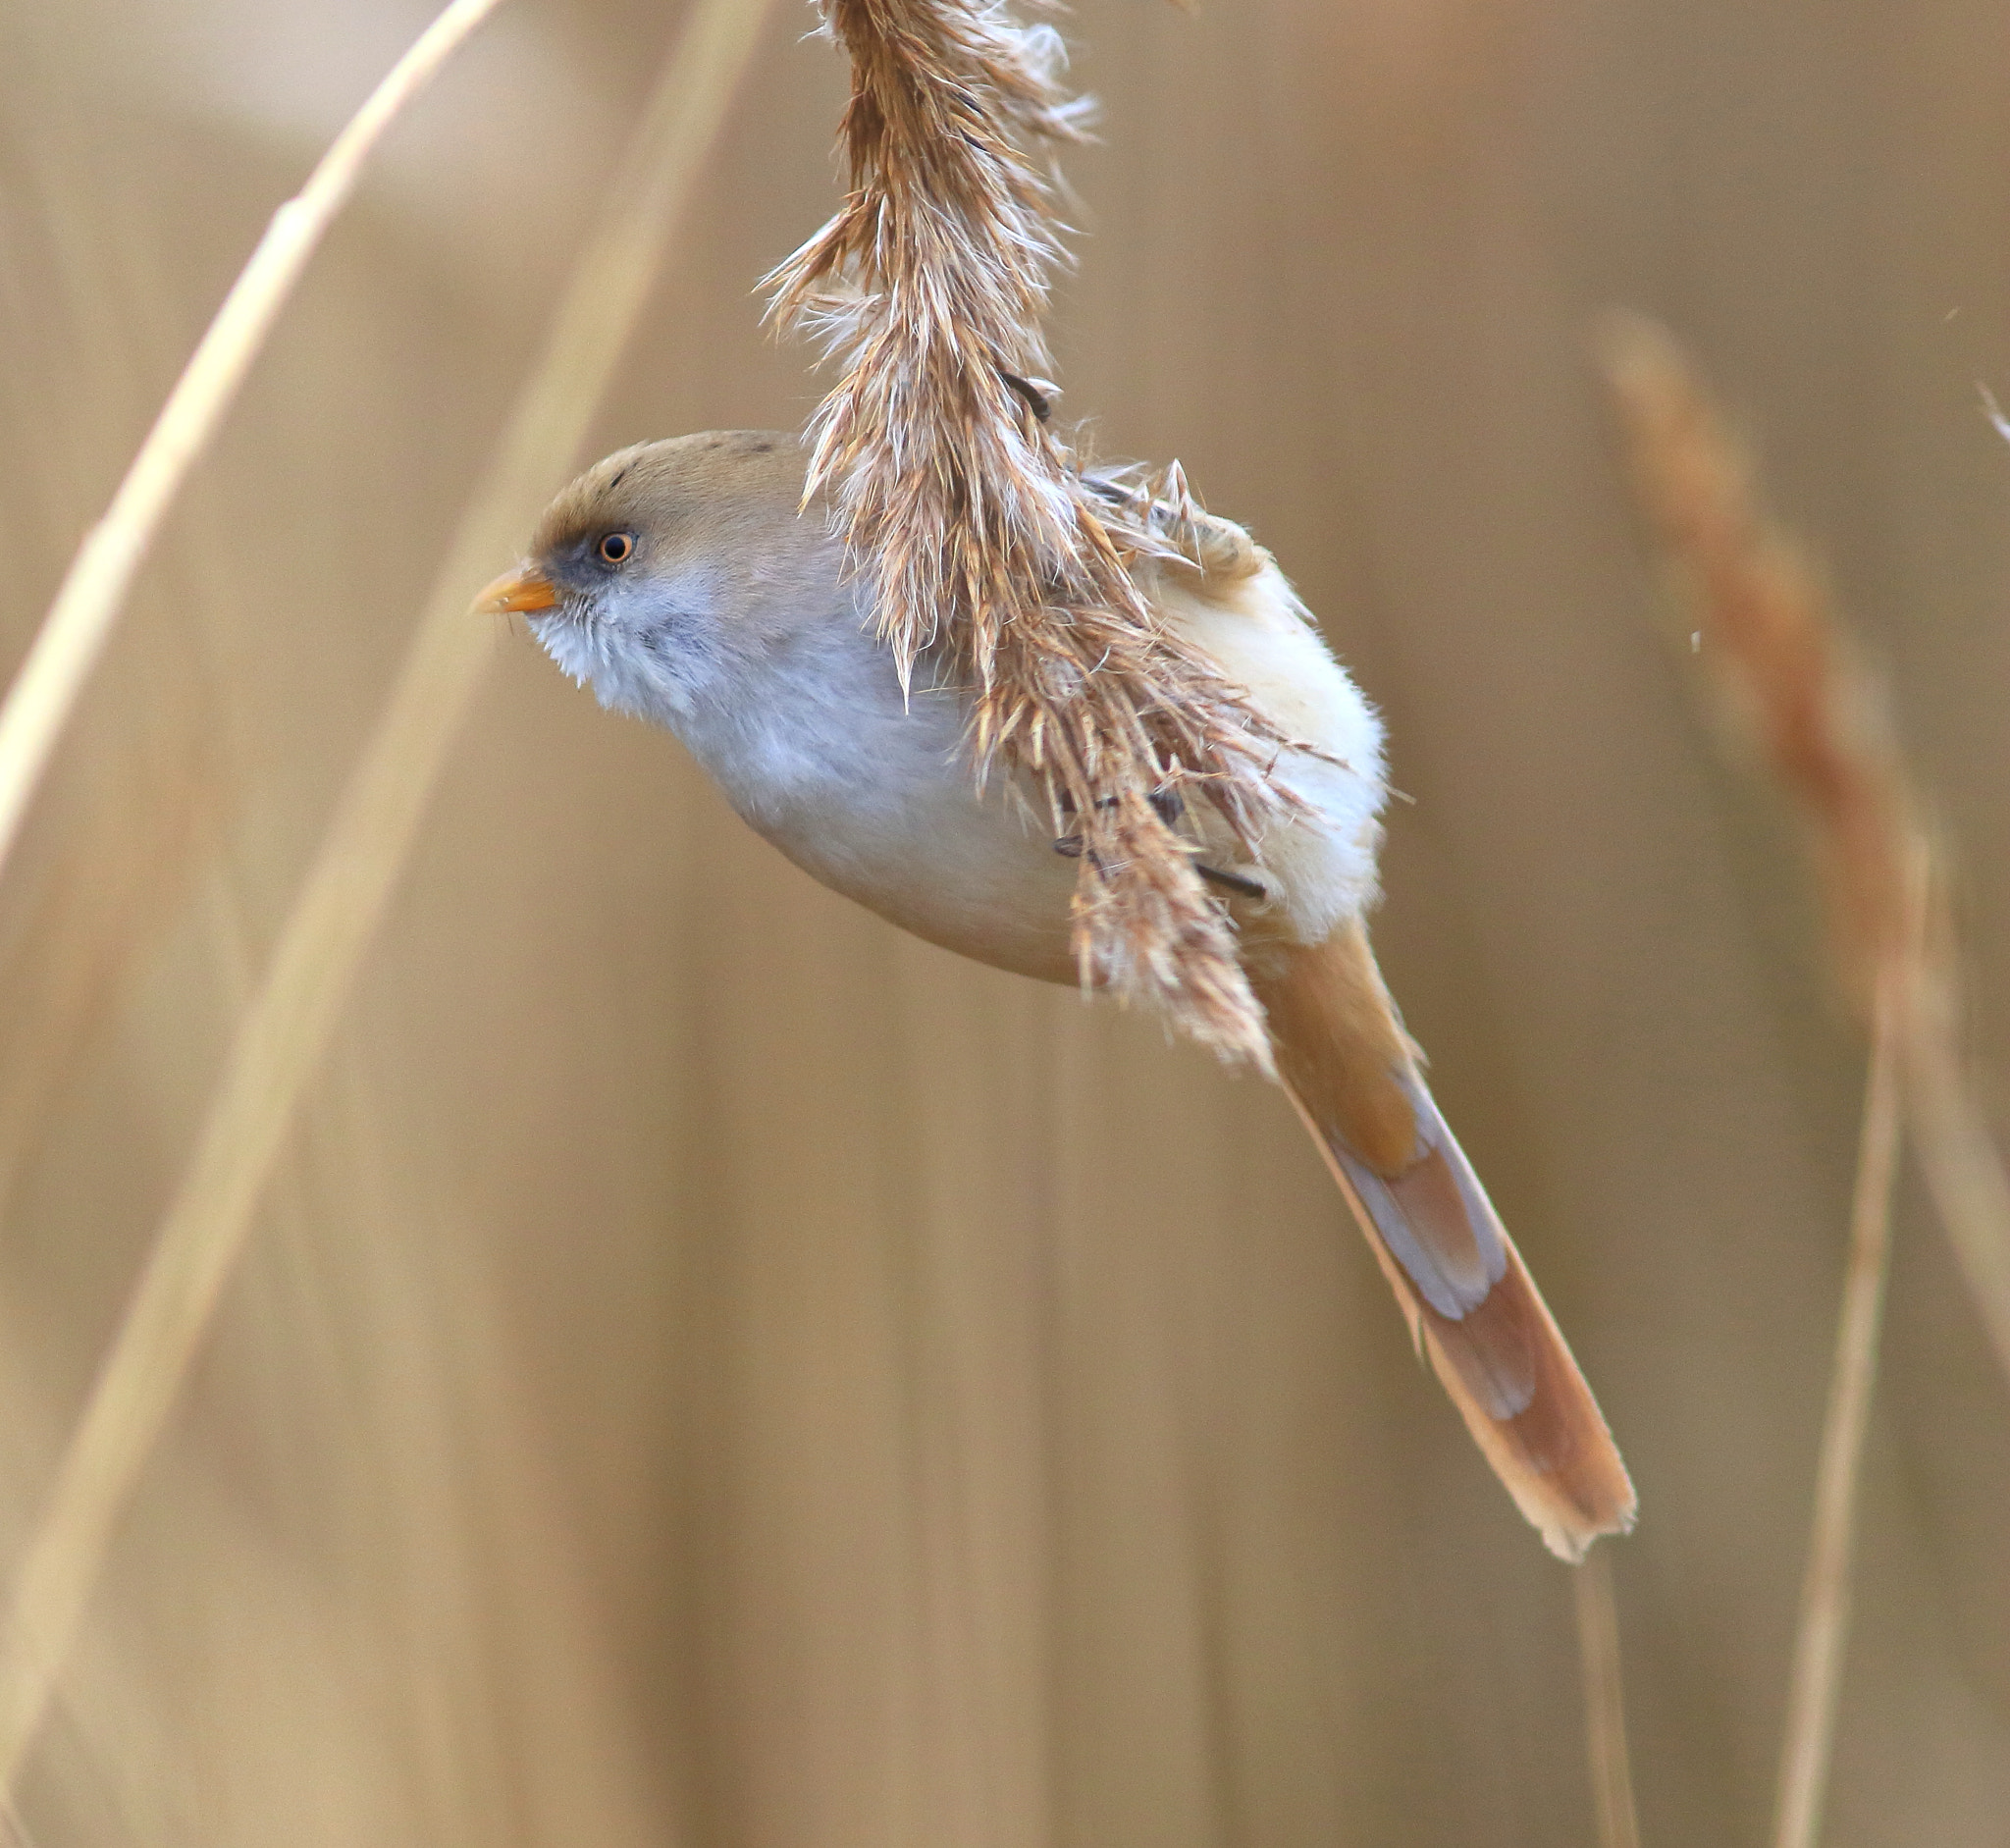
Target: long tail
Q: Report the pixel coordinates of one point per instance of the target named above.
(1352, 1071)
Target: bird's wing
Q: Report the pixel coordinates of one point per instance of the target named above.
(1350, 1068)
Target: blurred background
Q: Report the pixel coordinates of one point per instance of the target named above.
(713, 1371)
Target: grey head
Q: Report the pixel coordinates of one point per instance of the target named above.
(678, 576)
(686, 583)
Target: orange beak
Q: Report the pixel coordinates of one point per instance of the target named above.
(528, 588)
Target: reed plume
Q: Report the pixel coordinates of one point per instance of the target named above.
(1788, 678)
(972, 516)
(1795, 688)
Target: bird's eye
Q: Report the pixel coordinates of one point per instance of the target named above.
(616, 548)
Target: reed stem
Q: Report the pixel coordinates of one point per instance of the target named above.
(1605, 1705)
(281, 1037)
(80, 623)
(1956, 1152)
(1823, 1629)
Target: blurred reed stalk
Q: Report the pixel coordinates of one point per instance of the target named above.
(1605, 1703)
(1802, 702)
(279, 1041)
(1823, 1632)
(80, 620)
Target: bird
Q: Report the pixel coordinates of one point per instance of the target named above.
(692, 582)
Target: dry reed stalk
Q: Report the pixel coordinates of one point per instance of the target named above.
(1604, 1702)
(1789, 675)
(80, 623)
(1785, 670)
(80, 942)
(957, 498)
(1950, 1137)
(1823, 1631)
(282, 1036)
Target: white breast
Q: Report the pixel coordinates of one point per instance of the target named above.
(875, 798)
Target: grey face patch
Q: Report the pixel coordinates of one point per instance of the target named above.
(648, 648)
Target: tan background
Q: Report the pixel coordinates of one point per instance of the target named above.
(713, 1372)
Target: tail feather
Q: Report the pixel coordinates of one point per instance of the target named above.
(1350, 1070)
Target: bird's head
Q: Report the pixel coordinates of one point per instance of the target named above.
(672, 574)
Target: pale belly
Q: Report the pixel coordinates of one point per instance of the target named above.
(979, 875)
(875, 796)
